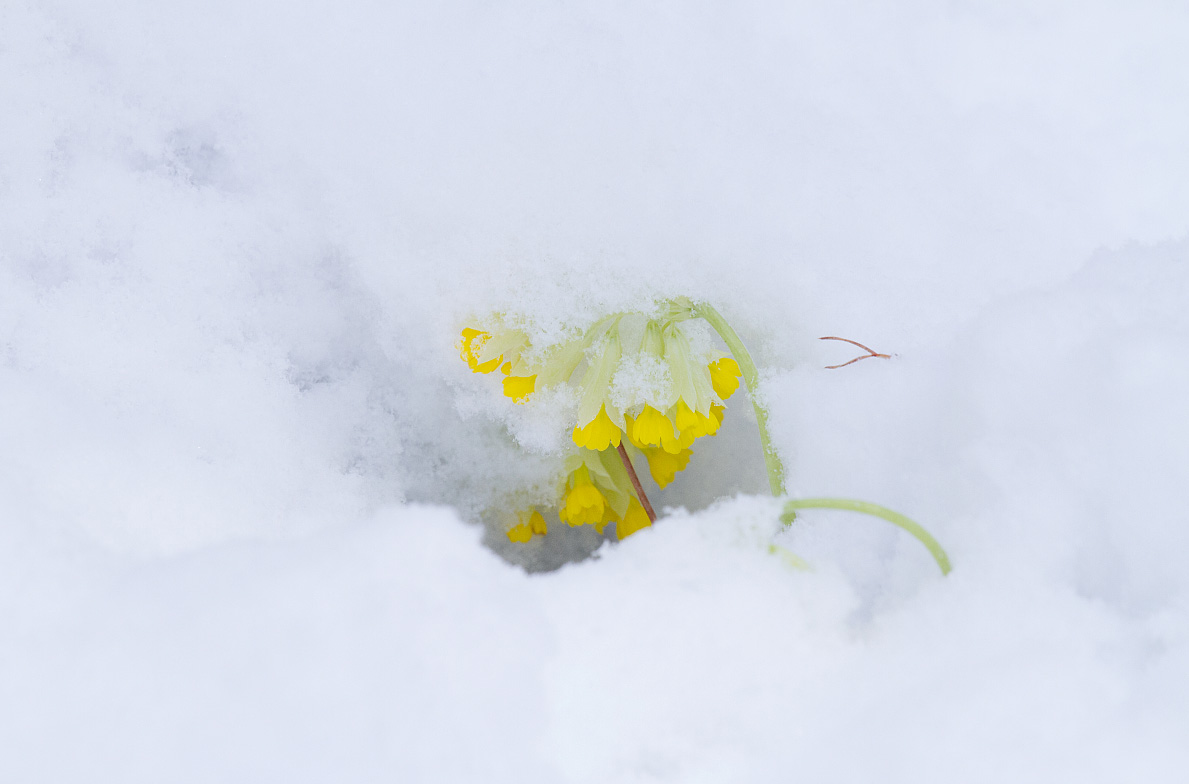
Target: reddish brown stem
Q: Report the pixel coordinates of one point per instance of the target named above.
(627, 463)
(870, 353)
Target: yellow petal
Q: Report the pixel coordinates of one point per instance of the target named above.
(687, 419)
(724, 376)
(520, 533)
(537, 523)
(519, 387)
(467, 348)
(487, 367)
(629, 430)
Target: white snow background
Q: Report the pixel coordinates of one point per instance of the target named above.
(243, 471)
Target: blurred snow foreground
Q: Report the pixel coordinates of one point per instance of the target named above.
(243, 470)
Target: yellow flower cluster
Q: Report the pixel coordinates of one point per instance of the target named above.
(659, 396)
(597, 491)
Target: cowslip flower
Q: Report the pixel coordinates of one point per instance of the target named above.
(598, 491)
(724, 376)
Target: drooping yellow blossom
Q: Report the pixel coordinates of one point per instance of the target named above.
(652, 428)
(597, 489)
(530, 522)
(584, 504)
(598, 492)
(724, 375)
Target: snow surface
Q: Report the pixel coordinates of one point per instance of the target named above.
(243, 472)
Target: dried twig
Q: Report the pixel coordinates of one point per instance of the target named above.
(870, 353)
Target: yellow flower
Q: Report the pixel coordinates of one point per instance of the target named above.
(652, 428)
(597, 489)
(584, 504)
(531, 522)
(724, 375)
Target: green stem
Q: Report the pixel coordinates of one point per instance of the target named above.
(751, 377)
(895, 518)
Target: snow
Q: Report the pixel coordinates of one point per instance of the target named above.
(244, 476)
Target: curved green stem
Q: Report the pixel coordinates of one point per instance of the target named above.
(895, 518)
(751, 377)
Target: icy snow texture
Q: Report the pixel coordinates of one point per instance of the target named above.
(640, 377)
(237, 241)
